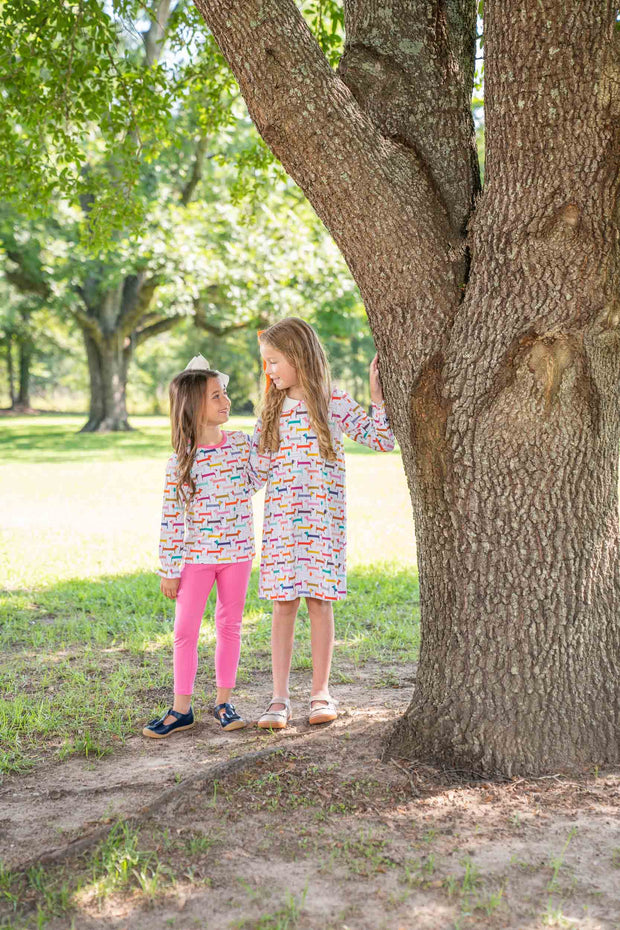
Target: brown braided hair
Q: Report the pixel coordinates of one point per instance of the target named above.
(299, 344)
(187, 397)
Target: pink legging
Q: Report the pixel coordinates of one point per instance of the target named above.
(196, 584)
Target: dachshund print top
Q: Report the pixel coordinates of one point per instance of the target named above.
(217, 526)
(304, 531)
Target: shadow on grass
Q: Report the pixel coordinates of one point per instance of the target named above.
(81, 658)
(51, 439)
(58, 439)
(379, 616)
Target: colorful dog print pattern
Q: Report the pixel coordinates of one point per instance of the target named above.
(217, 526)
(304, 530)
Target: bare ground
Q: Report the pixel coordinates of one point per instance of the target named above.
(322, 834)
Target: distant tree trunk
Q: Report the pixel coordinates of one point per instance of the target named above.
(96, 413)
(107, 368)
(10, 369)
(497, 322)
(113, 323)
(26, 350)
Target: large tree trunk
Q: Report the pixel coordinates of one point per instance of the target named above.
(499, 349)
(517, 528)
(517, 482)
(108, 363)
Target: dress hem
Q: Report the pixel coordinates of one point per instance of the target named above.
(318, 597)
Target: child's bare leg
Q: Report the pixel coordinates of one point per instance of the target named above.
(322, 638)
(182, 704)
(223, 695)
(282, 637)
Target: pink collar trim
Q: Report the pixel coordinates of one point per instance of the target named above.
(217, 445)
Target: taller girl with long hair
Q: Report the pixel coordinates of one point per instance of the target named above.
(298, 447)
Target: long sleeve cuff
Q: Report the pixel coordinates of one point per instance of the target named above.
(170, 571)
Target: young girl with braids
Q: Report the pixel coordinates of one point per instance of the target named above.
(207, 538)
(298, 448)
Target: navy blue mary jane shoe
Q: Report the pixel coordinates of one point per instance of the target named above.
(230, 719)
(157, 729)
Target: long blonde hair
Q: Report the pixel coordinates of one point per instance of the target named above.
(187, 397)
(300, 345)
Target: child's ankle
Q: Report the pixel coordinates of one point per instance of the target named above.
(182, 708)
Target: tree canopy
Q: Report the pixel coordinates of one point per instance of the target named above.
(98, 98)
(130, 167)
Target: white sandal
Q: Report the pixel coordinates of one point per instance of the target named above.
(276, 719)
(326, 711)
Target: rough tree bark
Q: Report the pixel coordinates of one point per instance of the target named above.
(496, 316)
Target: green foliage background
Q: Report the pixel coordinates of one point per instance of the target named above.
(99, 145)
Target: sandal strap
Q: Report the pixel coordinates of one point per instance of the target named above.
(279, 700)
(323, 696)
(159, 722)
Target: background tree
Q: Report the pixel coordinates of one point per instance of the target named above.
(8, 336)
(142, 161)
(496, 317)
(23, 294)
(154, 211)
(269, 261)
(223, 267)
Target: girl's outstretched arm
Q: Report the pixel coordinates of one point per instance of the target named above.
(259, 463)
(172, 526)
(370, 430)
(376, 391)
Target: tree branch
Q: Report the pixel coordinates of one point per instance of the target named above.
(552, 137)
(563, 48)
(87, 324)
(23, 279)
(200, 321)
(410, 66)
(138, 292)
(372, 193)
(155, 34)
(196, 175)
(154, 329)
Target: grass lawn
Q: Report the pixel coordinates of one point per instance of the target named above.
(297, 830)
(86, 636)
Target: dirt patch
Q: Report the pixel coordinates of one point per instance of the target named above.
(54, 802)
(323, 834)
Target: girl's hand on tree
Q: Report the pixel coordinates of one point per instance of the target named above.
(169, 587)
(376, 391)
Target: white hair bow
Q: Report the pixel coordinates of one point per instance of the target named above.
(199, 363)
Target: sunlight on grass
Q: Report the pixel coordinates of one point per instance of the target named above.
(97, 513)
(86, 634)
(85, 661)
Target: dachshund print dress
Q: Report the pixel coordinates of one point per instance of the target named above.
(304, 529)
